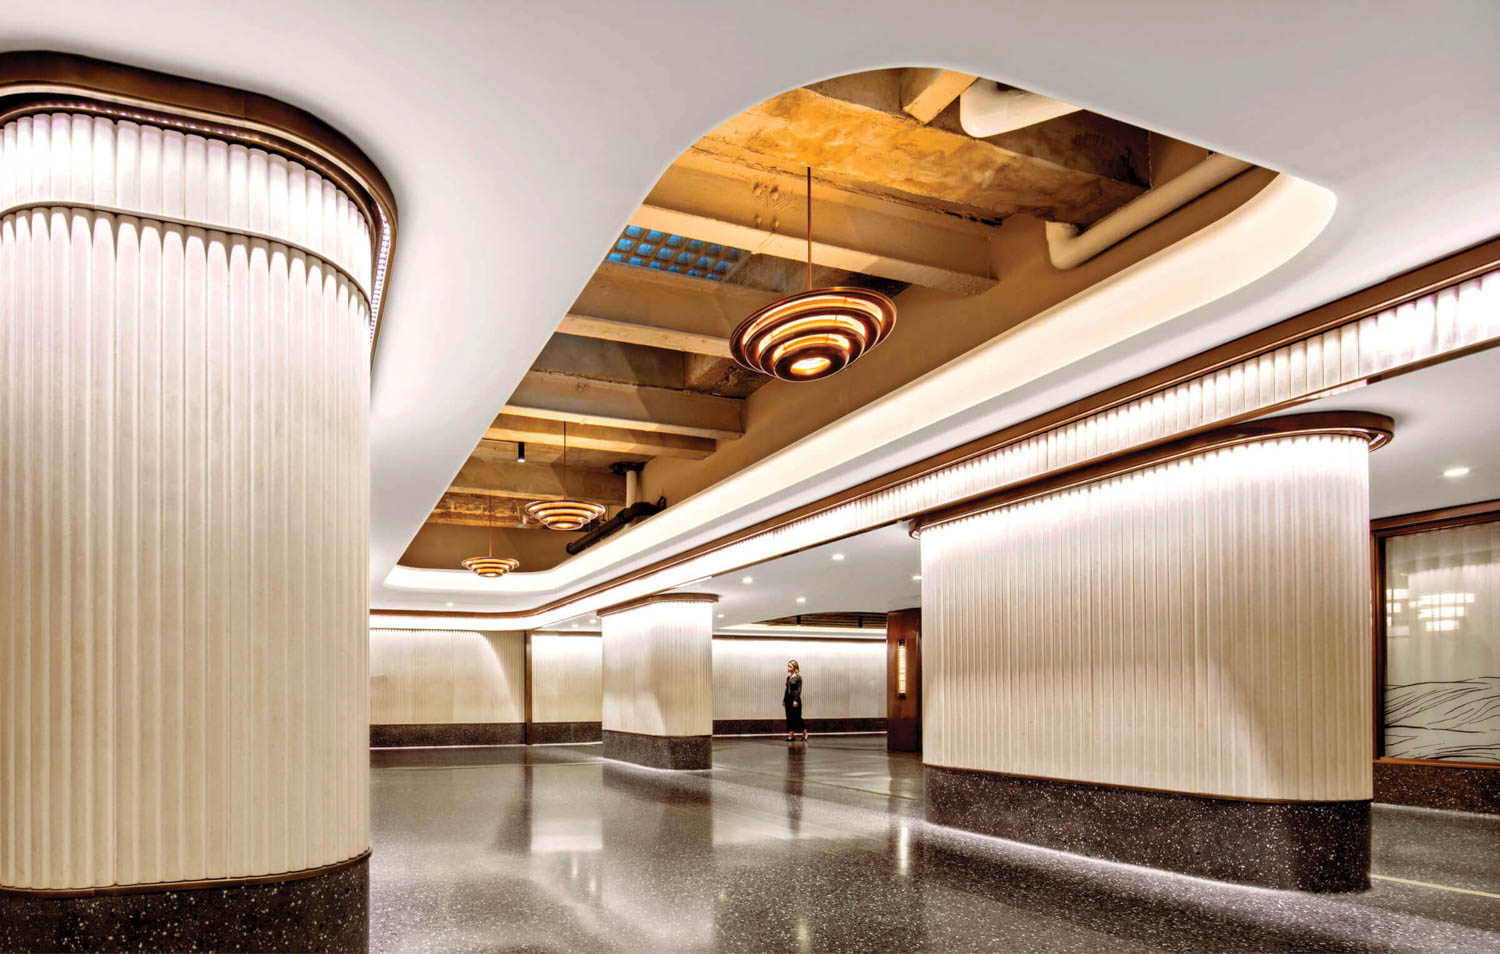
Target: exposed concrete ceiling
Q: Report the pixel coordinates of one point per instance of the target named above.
(490, 126)
(904, 197)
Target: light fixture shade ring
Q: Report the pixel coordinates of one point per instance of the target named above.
(490, 567)
(564, 513)
(813, 334)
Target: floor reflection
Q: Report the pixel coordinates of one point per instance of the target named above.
(823, 848)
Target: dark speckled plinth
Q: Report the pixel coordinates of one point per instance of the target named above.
(556, 733)
(682, 752)
(772, 726)
(1453, 787)
(1310, 846)
(448, 733)
(328, 912)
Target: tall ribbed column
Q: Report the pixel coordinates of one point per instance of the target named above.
(658, 681)
(184, 328)
(1168, 666)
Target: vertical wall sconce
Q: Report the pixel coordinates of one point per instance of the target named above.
(901, 669)
(520, 452)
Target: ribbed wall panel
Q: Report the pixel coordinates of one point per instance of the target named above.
(1457, 317)
(445, 676)
(1201, 626)
(567, 678)
(840, 679)
(658, 669)
(184, 461)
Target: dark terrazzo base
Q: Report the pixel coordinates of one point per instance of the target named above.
(777, 726)
(559, 733)
(1453, 788)
(448, 733)
(678, 752)
(811, 848)
(325, 913)
(1309, 846)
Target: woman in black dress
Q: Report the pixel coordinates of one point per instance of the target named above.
(791, 701)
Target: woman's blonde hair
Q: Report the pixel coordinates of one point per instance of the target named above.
(793, 664)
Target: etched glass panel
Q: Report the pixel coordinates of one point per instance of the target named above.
(1442, 651)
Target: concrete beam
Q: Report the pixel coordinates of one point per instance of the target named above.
(854, 127)
(626, 332)
(624, 441)
(563, 397)
(927, 92)
(763, 210)
(532, 481)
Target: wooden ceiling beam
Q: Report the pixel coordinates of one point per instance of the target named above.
(624, 441)
(927, 92)
(564, 397)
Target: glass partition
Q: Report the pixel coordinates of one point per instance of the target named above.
(1442, 644)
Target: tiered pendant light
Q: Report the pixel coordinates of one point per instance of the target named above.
(565, 513)
(490, 566)
(816, 333)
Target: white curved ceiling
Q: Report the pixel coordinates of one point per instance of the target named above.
(493, 121)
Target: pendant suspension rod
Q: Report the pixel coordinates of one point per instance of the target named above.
(809, 228)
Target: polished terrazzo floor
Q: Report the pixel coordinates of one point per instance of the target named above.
(823, 849)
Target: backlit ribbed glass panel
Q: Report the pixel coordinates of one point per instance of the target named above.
(1461, 316)
(184, 467)
(1201, 626)
(1442, 644)
(841, 679)
(658, 669)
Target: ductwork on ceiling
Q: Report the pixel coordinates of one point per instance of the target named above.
(633, 512)
(988, 109)
(1069, 248)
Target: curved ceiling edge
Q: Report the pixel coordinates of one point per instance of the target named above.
(1229, 253)
(37, 80)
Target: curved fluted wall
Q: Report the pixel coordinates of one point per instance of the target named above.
(566, 678)
(184, 464)
(658, 669)
(1200, 626)
(427, 676)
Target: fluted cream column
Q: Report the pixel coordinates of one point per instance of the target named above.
(658, 680)
(1198, 627)
(184, 329)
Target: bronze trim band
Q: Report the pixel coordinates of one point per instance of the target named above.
(1375, 428)
(1148, 788)
(1425, 279)
(32, 80)
(1439, 763)
(182, 223)
(155, 887)
(1483, 511)
(628, 605)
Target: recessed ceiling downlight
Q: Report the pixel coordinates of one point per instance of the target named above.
(1454, 472)
(816, 333)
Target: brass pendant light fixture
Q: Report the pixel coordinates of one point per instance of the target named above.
(565, 513)
(816, 333)
(490, 566)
